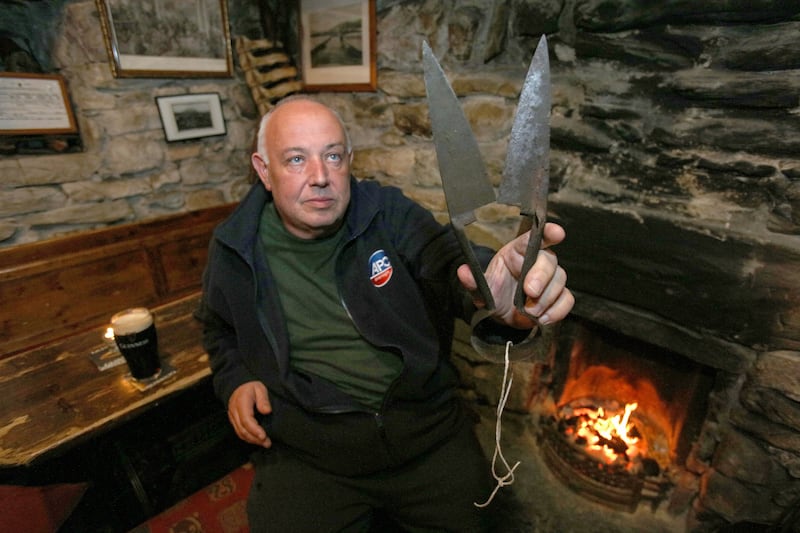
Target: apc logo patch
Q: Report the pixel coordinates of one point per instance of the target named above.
(380, 269)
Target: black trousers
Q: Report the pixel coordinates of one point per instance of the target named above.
(434, 493)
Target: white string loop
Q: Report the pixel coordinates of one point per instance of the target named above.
(508, 477)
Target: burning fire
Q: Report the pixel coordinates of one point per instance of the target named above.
(613, 439)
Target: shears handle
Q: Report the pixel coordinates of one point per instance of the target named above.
(536, 227)
(527, 346)
(474, 267)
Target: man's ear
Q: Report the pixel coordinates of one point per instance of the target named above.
(262, 169)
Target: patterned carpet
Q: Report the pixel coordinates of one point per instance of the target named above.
(218, 508)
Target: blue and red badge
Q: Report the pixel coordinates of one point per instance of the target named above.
(380, 268)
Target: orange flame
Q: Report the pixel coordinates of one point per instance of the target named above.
(597, 425)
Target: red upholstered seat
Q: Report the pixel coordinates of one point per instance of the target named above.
(38, 509)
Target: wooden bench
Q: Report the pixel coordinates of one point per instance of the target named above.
(57, 297)
(56, 288)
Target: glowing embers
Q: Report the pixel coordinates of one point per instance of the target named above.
(610, 435)
(601, 453)
(619, 416)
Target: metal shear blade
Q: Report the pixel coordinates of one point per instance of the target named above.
(525, 176)
(464, 179)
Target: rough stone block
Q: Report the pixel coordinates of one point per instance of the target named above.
(740, 457)
(773, 405)
(779, 370)
(777, 435)
(736, 501)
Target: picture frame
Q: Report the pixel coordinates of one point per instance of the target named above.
(35, 104)
(191, 116)
(167, 38)
(338, 40)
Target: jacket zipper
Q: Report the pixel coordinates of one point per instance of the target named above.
(378, 415)
(381, 427)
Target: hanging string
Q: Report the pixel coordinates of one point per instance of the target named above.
(508, 477)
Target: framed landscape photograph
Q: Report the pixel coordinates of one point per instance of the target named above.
(34, 104)
(337, 45)
(191, 116)
(167, 38)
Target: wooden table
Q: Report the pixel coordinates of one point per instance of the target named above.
(53, 397)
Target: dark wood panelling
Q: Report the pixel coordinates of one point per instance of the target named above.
(55, 288)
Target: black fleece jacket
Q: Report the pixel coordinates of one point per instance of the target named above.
(410, 314)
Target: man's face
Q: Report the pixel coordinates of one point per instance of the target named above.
(309, 168)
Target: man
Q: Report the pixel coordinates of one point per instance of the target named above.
(328, 309)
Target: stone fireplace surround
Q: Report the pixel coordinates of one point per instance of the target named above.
(726, 301)
(674, 171)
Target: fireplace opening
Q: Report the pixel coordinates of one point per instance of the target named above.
(623, 416)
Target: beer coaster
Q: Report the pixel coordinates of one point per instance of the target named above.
(167, 371)
(106, 357)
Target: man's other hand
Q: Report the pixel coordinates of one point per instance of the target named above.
(242, 406)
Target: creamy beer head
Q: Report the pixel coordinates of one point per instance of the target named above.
(131, 321)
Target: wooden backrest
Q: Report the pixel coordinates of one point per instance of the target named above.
(51, 289)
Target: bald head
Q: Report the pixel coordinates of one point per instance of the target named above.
(290, 102)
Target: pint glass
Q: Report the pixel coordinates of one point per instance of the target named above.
(135, 335)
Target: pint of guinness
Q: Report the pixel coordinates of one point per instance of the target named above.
(135, 335)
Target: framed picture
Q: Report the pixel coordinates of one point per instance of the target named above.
(34, 104)
(191, 116)
(337, 45)
(167, 38)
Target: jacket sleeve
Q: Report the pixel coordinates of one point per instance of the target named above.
(432, 253)
(220, 340)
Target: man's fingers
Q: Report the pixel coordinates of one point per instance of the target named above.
(541, 274)
(544, 284)
(466, 278)
(553, 234)
(543, 305)
(262, 401)
(468, 282)
(248, 429)
(243, 403)
(559, 309)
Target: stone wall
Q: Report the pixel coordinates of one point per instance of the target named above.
(126, 171)
(689, 110)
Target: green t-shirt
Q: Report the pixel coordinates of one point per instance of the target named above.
(323, 338)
